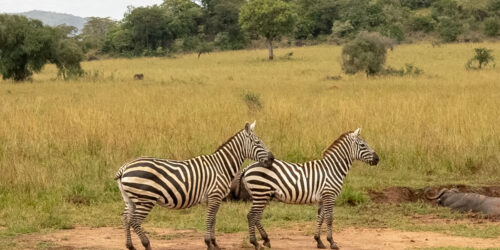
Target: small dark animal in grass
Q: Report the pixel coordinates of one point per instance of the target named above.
(465, 202)
(139, 76)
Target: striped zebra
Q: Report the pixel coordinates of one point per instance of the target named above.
(318, 181)
(147, 181)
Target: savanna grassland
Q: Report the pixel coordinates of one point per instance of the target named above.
(62, 141)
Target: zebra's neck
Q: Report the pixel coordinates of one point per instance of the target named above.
(230, 155)
(339, 157)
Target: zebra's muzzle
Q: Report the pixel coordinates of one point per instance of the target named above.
(269, 161)
(375, 160)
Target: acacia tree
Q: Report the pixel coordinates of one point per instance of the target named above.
(268, 18)
(25, 46)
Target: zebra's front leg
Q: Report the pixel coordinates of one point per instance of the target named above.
(319, 223)
(213, 206)
(328, 203)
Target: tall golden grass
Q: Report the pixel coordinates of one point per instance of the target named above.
(61, 138)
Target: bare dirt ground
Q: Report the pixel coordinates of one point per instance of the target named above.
(350, 238)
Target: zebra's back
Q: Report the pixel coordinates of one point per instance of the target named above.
(173, 184)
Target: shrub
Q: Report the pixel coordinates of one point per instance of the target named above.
(482, 58)
(253, 101)
(449, 29)
(422, 23)
(393, 31)
(365, 53)
(68, 56)
(407, 70)
(342, 29)
(491, 26)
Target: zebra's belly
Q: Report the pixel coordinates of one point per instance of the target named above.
(298, 199)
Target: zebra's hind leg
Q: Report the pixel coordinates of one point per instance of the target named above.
(317, 236)
(126, 225)
(141, 211)
(213, 206)
(258, 205)
(262, 232)
(328, 203)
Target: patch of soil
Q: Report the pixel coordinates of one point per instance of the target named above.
(350, 238)
(406, 194)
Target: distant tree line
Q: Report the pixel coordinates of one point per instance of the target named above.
(184, 26)
(202, 26)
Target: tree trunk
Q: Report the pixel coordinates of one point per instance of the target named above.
(271, 55)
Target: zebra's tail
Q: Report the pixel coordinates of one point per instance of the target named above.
(238, 189)
(120, 171)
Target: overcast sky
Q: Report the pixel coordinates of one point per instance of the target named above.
(84, 8)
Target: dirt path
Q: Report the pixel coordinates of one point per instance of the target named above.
(351, 238)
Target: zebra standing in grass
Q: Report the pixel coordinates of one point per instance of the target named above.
(318, 181)
(146, 181)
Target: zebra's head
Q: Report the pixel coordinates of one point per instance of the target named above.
(254, 148)
(360, 149)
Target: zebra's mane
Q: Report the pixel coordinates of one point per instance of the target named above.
(336, 142)
(228, 140)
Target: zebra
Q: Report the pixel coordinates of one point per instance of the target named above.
(317, 181)
(145, 181)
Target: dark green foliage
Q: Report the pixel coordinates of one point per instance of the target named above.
(25, 46)
(417, 4)
(422, 23)
(315, 17)
(494, 6)
(491, 26)
(267, 18)
(447, 8)
(365, 53)
(67, 58)
(222, 24)
(393, 31)
(482, 58)
(449, 29)
(95, 31)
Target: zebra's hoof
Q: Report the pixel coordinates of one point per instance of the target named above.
(130, 247)
(267, 243)
(334, 246)
(258, 247)
(321, 245)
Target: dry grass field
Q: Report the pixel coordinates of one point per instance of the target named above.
(62, 141)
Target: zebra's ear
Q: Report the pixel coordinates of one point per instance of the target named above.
(247, 128)
(357, 131)
(252, 126)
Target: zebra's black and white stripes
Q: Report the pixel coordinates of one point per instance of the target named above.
(318, 181)
(147, 181)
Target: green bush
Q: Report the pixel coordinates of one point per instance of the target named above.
(482, 58)
(68, 56)
(491, 26)
(449, 29)
(365, 53)
(422, 23)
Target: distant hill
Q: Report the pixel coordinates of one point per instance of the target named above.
(54, 19)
